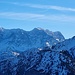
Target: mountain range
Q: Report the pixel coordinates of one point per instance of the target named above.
(22, 40)
(36, 52)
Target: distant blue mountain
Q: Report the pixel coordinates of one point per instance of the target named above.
(18, 39)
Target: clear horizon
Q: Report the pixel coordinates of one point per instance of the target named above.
(53, 15)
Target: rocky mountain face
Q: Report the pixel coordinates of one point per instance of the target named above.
(34, 61)
(20, 40)
(39, 59)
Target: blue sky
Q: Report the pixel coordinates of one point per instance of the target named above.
(55, 15)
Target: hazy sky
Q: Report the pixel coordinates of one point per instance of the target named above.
(55, 15)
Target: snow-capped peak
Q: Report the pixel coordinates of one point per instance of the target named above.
(39, 28)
